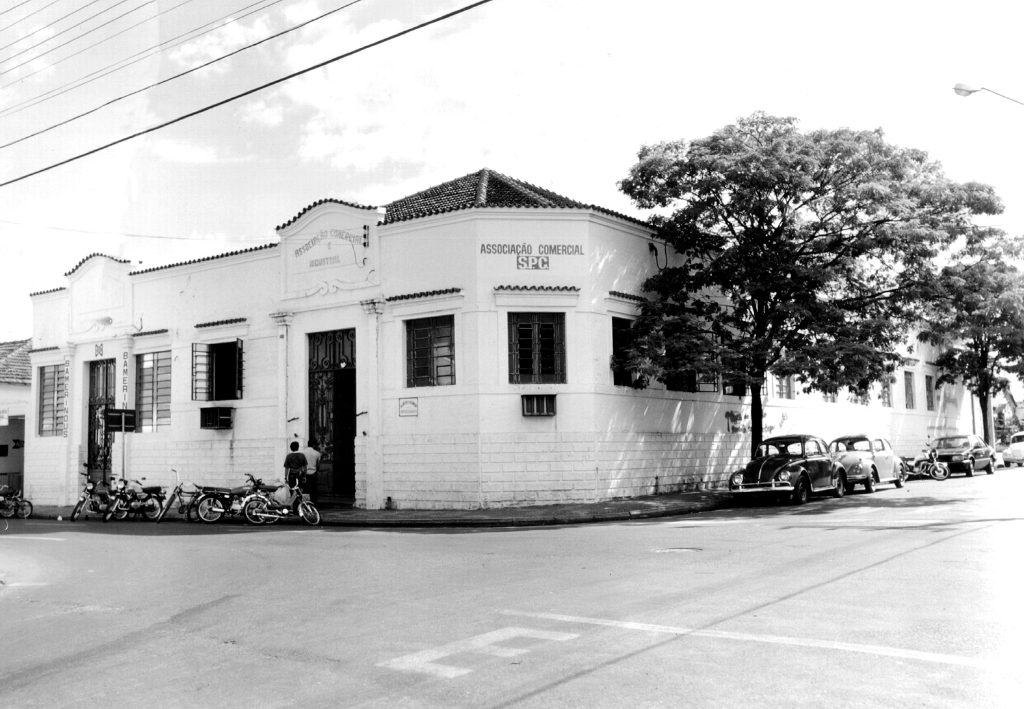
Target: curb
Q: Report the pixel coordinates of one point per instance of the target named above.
(674, 510)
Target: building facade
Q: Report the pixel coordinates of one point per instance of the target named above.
(15, 395)
(453, 349)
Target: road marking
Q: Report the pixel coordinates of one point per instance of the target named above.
(481, 644)
(38, 539)
(25, 583)
(774, 639)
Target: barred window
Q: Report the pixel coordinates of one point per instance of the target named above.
(690, 381)
(621, 376)
(829, 397)
(217, 371)
(908, 386)
(536, 348)
(929, 392)
(430, 351)
(51, 400)
(153, 391)
(886, 394)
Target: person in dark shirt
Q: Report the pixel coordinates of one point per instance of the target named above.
(295, 467)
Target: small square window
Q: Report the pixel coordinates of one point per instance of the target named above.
(538, 404)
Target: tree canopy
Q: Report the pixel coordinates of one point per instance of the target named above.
(977, 316)
(798, 253)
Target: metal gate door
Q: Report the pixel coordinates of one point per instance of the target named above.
(332, 412)
(101, 396)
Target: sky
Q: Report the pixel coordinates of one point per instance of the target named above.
(557, 93)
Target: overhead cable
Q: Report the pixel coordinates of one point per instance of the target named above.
(21, 19)
(46, 26)
(178, 76)
(257, 89)
(71, 86)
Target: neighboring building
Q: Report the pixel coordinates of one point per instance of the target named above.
(453, 349)
(15, 395)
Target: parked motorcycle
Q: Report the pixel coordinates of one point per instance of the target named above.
(185, 500)
(144, 500)
(216, 502)
(12, 503)
(95, 497)
(931, 466)
(264, 508)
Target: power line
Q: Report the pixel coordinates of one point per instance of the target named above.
(178, 76)
(22, 19)
(75, 39)
(60, 90)
(275, 82)
(47, 26)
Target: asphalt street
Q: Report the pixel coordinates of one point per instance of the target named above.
(901, 598)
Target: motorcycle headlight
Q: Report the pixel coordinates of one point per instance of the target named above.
(737, 479)
(784, 476)
(90, 485)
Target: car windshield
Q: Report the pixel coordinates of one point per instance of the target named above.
(850, 444)
(782, 447)
(953, 442)
(1017, 438)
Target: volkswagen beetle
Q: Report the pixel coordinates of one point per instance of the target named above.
(794, 465)
(868, 461)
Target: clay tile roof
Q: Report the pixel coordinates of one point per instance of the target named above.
(201, 260)
(317, 204)
(217, 323)
(482, 189)
(547, 289)
(15, 365)
(45, 292)
(80, 263)
(422, 294)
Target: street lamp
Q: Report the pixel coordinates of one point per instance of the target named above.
(967, 90)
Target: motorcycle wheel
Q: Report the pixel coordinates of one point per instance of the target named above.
(309, 514)
(254, 511)
(209, 510)
(153, 509)
(940, 472)
(24, 509)
(114, 508)
(6, 509)
(77, 512)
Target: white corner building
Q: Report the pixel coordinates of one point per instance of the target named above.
(450, 350)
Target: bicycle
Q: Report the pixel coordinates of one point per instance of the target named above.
(12, 503)
(186, 500)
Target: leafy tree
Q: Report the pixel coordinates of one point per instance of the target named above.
(977, 314)
(798, 253)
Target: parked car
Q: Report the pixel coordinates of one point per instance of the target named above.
(965, 454)
(1014, 453)
(794, 466)
(868, 461)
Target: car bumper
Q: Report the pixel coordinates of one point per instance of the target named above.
(960, 466)
(770, 486)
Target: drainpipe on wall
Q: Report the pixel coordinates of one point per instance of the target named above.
(283, 321)
(375, 498)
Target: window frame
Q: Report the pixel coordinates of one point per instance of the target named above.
(554, 353)
(929, 392)
(431, 325)
(206, 384)
(158, 389)
(908, 390)
(50, 410)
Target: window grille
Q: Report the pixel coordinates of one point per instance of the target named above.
(538, 405)
(536, 348)
(829, 397)
(929, 392)
(784, 387)
(430, 351)
(621, 375)
(908, 386)
(886, 394)
(153, 391)
(51, 400)
(690, 381)
(217, 371)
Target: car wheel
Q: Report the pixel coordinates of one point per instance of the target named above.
(840, 488)
(801, 491)
(990, 469)
(970, 468)
(901, 476)
(869, 482)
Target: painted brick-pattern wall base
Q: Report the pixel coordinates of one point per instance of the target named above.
(504, 470)
(221, 463)
(43, 484)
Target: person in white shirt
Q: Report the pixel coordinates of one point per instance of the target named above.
(312, 453)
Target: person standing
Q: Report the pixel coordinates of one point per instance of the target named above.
(295, 466)
(312, 453)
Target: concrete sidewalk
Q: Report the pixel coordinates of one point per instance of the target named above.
(667, 505)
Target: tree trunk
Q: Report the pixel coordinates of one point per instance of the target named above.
(984, 399)
(756, 417)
